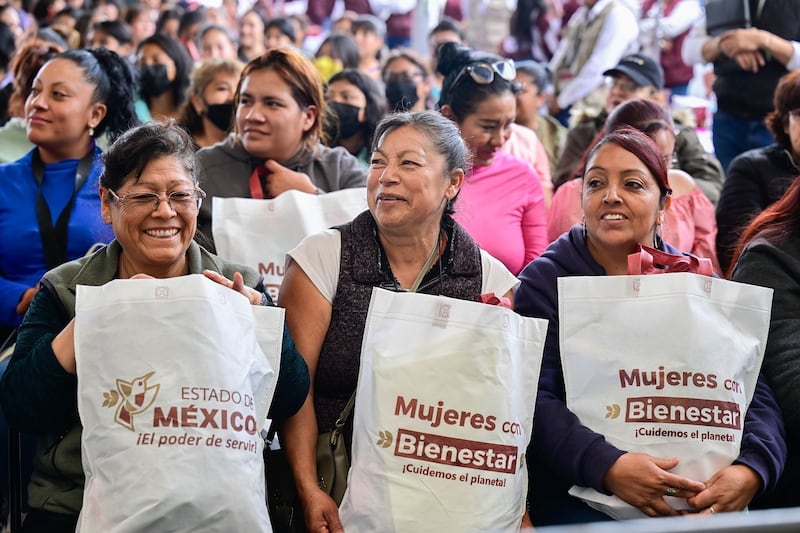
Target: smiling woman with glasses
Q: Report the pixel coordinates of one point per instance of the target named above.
(149, 196)
(502, 203)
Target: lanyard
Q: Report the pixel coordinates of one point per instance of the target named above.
(54, 240)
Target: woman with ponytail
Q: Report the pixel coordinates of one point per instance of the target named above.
(48, 198)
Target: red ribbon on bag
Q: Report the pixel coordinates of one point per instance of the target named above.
(492, 299)
(647, 260)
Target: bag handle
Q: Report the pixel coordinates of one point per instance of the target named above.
(342, 420)
(645, 259)
(337, 429)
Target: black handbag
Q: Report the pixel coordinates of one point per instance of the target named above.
(333, 464)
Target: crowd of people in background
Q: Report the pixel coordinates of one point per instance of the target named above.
(700, 97)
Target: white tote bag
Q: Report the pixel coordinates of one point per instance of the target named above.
(259, 233)
(175, 378)
(662, 364)
(443, 416)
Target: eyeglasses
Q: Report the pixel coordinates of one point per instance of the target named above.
(483, 73)
(624, 85)
(179, 201)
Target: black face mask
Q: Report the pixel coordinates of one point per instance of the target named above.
(348, 119)
(220, 115)
(153, 80)
(401, 95)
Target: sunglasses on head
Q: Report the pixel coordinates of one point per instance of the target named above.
(483, 73)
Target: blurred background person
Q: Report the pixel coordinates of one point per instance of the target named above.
(10, 17)
(663, 27)
(448, 30)
(216, 42)
(113, 35)
(7, 49)
(337, 52)
(596, 37)
(358, 104)
(28, 60)
(279, 32)
(188, 28)
(142, 21)
(164, 69)
(208, 112)
(640, 76)
(535, 30)
(407, 81)
(369, 33)
(168, 22)
(535, 86)
(252, 27)
(748, 62)
(759, 177)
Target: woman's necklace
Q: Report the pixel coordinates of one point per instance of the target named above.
(428, 263)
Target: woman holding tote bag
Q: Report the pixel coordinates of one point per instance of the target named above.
(625, 195)
(406, 241)
(277, 141)
(149, 195)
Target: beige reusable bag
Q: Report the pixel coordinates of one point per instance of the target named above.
(175, 378)
(443, 416)
(662, 364)
(259, 233)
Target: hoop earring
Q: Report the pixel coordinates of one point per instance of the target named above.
(585, 231)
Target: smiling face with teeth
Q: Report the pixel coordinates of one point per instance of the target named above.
(154, 240)
(408, 183)
(622, 204)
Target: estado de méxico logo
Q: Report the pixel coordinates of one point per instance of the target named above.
(132, 397)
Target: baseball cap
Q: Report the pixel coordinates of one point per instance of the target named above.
(642, 69)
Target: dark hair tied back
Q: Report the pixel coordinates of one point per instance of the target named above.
(113, 81)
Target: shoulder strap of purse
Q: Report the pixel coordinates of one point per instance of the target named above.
(345, 414)
(340, 422)
(54, 240)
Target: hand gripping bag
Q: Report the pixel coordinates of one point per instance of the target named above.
(259, 233)
(443, 416)
(175, 378)
(662, 364)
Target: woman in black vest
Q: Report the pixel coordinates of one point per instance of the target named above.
(406, 241)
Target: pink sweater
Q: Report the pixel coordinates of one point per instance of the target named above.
(502, 208)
